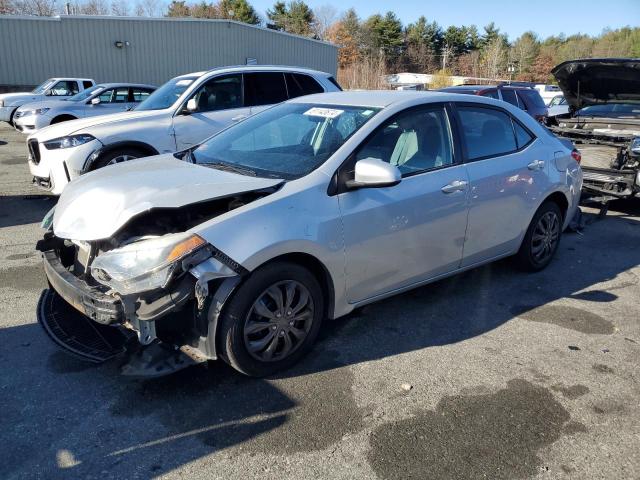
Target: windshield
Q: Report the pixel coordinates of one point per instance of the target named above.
(40, 89)
(84, 93)
(611, 109)
(287, 141)
(167, 94)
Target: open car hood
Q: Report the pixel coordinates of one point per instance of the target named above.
(98, 204)
(596, 81)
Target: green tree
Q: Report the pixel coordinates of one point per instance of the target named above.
(239, 10)
(384, 35)
(295, 17)
(178, 9)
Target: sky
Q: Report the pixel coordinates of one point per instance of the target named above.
(545, 17)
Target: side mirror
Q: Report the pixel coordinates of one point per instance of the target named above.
(372, 173)
(192, 106)
(48, 93)
(95, 101)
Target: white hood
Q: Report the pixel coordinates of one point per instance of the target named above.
(68, 128)
(98, 204)
(11, 99)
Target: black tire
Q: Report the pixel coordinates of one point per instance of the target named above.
(536, 252)
(108, 157)
(11, 117)
(239, 312)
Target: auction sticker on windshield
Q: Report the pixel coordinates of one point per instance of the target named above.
(324, 112)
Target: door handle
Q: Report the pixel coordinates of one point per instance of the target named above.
(237, 118)
(536, 165)
(455, 186)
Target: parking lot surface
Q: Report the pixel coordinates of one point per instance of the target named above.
(493, 373)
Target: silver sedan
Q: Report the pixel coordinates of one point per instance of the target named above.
(98, 100)
(240, 248)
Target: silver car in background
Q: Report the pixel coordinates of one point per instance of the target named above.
(240, 247)
(98, 100)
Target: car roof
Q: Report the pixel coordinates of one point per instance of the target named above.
(383, 98)
(257, 68)
(124, 84)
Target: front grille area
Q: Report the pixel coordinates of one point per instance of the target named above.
(34, 150)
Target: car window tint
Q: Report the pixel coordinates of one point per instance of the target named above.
(220, 93)
(140, 94)
(413, 141)
(491, 94)
(86, 84)
(64, 88)
(299, 84)
(487, 132)
(523, 137)
(265, 88)
(121, 95)
(335, 82)
(509, 96)
(105, 97)
(532, 98)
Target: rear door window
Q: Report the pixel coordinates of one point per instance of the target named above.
(487, 132)
(531, 99)
(264, 88)
(299, 85)
(509, 96)
(86, 84)
(491, 94)
(139, 94)
(523, 137)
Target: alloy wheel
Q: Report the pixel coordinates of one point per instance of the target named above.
(545, 237)
(120, 158)
(279, 321)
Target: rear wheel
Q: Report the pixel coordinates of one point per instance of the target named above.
(272, 320)
(117, 156)
(542, 238)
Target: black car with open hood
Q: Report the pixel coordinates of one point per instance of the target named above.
(603, 122)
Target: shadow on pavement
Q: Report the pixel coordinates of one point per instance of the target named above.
(69, 419)
(24, 209)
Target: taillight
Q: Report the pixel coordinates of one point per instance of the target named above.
(577, 156)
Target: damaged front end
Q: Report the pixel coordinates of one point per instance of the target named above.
(610, 156)
(152, 292)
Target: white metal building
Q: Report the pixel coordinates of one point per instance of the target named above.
(144, 50)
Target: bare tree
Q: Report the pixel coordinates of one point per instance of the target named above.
(148, 8)
(6, 7)
(93, 7)
(41, 8)
(325, 16)
(120, 8)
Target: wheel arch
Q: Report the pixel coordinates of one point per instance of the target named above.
(317, 268)
(63, 117)
(560, 199)
(110, 147)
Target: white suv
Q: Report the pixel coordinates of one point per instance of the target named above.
(180, 114)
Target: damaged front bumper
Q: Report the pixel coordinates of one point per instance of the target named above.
(610, 182)
(159, 332)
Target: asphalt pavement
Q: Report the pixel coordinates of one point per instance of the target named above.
(493, 374)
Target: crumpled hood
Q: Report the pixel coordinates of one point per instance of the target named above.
(44, 104)
(595, 81)
(98, 204)
(83, 125)
(10, 99)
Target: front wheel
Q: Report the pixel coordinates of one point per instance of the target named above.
(117, 156)
(272, 320)
(542, 238)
